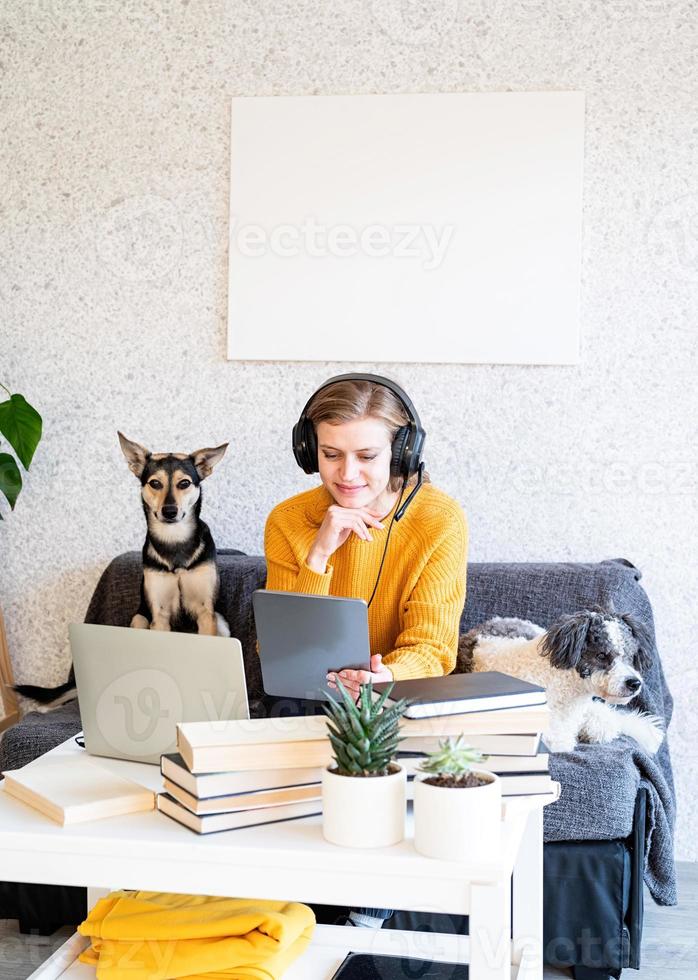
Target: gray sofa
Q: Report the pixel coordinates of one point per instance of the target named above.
(611, 828)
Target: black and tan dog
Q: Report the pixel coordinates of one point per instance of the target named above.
(180, 577)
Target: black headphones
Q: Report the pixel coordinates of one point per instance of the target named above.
(408, 441)
(406, 458)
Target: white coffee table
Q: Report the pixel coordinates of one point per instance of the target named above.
(292, 861)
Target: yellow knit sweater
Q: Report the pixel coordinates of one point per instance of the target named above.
(414, 617)
(138, 935)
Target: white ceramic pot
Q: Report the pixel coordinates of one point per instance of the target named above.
(364, 811)
(458, 824)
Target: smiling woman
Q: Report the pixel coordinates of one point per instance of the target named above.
(354, 535)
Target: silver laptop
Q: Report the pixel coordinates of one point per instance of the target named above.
(134, 686)
(301, 637)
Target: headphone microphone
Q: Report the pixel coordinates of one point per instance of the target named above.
(420, 480)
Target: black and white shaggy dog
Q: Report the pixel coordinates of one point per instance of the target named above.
(589, 654)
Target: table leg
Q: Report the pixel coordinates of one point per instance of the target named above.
(490, 928)
(93, 896)
(527, 900)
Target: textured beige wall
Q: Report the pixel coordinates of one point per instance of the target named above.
(113, 200)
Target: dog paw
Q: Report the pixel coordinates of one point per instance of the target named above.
(139, 622)
(559, 742)
(654, 734)
(647, 730)
(222, 628)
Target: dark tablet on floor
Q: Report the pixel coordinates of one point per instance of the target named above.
(366, 966)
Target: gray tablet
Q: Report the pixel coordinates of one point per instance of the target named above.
(134, 686)
(301, 637)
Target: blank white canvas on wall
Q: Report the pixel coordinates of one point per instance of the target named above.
(438, 228)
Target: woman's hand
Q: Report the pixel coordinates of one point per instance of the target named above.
(338, 523)
(353, 679)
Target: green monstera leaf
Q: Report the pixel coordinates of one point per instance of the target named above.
(20, 424)
(10, 479)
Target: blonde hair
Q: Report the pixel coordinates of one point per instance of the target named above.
(347, 401)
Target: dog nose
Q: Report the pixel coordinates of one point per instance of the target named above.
(633, 684)
(169, 511)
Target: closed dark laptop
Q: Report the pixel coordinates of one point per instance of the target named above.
(301, 637)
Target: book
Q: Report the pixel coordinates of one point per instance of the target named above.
(301, 742)
(506, 721)
(510, 745)
(206, 785)
(233, 756)
(242, 801)
(525, 784)
(455, 694)
(499, 764)
(75, 790)
(212, 823)
(509, 790)
(254, 744)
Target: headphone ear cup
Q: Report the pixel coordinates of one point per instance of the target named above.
(397, 460)
(311, 446)
(305, 445)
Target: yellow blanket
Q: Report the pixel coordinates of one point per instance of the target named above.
(159, 936)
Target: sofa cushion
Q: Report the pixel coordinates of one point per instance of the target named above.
(36, 733)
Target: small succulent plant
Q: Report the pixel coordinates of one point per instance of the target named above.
(453, 759)
(364, 734)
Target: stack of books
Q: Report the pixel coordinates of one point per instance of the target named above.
(228, 775)
(500, 715)
(235, 774)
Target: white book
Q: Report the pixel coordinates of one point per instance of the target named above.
(509, 791)
(254, 744)
(499, 764)
(508, 745)
(212, 823)
(525, 784)
(206, 785)
(76, 790)
(504, 721)
(252, 731)
(233, 803)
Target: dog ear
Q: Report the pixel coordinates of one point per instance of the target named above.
(136, 455)
(205, 459)
(564, 642)
(643, 654)
(603, 609)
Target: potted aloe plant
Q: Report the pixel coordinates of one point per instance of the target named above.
(457, 807)
(364, 791)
